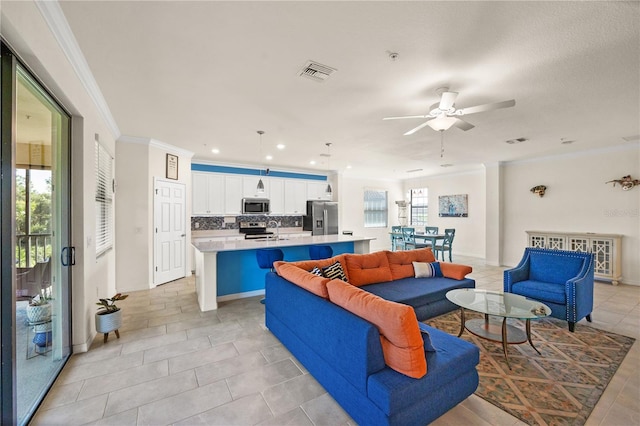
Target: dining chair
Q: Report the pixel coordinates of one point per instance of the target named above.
(431, 230)
(397, 243)
(446, 243)
(408, 238)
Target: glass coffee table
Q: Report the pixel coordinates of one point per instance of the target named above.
(498, 304)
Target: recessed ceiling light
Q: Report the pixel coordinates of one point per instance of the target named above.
(280, 146)
(269, 157)
(446, 165)
(348, 166)
(215, 151)
(312, 162)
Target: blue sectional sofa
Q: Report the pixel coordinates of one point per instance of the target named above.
(344, 352)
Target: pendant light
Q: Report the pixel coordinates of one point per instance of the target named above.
(328, 191)
(260, 187)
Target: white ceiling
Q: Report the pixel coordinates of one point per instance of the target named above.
(203, 75)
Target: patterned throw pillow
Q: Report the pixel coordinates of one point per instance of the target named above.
(335, 271)
(427, 270)
(316, 271)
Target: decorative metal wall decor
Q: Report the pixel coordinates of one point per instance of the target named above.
(539, 190)
(626, 182)
(453, 205)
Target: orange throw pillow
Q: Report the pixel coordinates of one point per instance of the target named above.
(401, 341)
(310, 282)
(455, 270)
(401, 262)
(363, 269)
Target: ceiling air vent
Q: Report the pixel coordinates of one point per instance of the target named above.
(316, 71)
(518, 140)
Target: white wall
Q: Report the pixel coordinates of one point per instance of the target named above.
(25, 30)
(139, 162)
(132, 221)
(351, 199)
(470, 231)
(576, 200)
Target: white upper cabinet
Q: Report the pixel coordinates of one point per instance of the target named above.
(208, 194)
(233, 195)
(276, 195)
(250, 187)
(316, 191)
(295, 200)
(221, 194)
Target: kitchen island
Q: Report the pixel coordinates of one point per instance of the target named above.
(227, 270)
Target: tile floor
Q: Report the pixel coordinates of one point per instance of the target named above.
(176, 365)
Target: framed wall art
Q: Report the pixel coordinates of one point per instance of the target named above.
(453, 205)
(172, 166)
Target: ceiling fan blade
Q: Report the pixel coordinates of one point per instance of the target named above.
(447, 100)
(463, 125)
(415, 129)
(487, 107)
(406, 116)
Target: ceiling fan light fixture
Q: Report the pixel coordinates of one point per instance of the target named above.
(441, 123)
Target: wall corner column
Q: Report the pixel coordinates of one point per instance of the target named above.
(493, 221)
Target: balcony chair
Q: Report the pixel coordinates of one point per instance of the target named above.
(445, 244)
(320, 252)
(562, 280)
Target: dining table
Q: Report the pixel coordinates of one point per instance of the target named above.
(432, 238)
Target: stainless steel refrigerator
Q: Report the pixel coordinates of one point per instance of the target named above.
(321, 218)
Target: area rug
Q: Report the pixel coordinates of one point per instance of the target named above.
(559, 387)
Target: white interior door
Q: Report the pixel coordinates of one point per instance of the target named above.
(170, 231)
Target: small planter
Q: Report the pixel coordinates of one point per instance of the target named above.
(39, 313)
(107, 322)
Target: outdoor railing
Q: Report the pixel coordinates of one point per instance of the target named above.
(31, 249)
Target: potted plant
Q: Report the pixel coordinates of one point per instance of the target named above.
(39, 308)
(109, 316)
(39, 316)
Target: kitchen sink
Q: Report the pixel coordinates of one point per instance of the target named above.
(266, 240)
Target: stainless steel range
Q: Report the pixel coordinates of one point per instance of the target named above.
(254, 230)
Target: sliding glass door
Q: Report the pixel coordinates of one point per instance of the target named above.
(35, 296)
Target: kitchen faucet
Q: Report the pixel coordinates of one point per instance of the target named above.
(277, 228)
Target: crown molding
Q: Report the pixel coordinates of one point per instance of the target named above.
(596, 151)
(57, 22)
(156, 144)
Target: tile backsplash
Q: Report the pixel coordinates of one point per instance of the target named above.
(207, 223)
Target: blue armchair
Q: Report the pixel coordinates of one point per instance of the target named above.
(563, 280)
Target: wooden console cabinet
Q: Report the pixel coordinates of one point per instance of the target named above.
(607, 249)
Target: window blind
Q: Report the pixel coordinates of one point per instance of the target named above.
(104, 200)
(375, 208)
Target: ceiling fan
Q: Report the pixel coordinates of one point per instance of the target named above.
(443, 115)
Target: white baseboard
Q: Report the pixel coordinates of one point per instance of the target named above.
(243, 295)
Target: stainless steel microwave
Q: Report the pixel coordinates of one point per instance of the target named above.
(255, 206)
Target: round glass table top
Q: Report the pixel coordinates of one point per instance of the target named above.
(497, 303)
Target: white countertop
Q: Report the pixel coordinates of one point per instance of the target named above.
(217, 246)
